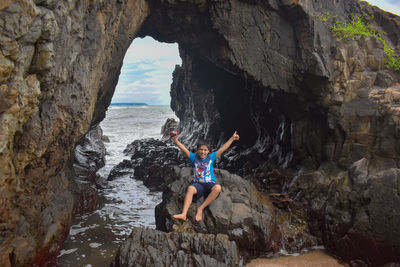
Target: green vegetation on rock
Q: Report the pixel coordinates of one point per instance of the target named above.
(392, 60)
(357, 27)
(325, 17)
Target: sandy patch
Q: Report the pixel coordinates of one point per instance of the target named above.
(314, 258)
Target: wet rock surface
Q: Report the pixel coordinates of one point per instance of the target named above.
(147, 247)
(89, 156)
(149, 162)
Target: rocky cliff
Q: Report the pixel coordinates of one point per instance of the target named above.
(300, 98)
(60, 62)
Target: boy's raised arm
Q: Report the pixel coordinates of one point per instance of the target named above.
(181, 146)
(222, 149)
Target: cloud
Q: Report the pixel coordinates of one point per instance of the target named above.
(146, 74)
(138, 92)
(391, 6)
(393, 2)
(149, 49)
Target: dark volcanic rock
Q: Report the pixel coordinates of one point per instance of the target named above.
(89, 156)
(241, 212)
(276, 109)
(333, 103)
(123, 168)
(356, 213)
(148, 247)
(153, 150)
(149, 162)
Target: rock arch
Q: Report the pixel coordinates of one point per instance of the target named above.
(266, 68)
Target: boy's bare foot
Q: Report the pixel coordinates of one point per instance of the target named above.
(199, 215)
(180, 217)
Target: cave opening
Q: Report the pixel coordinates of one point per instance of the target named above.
(146, 73)
(213, 94)
(273, 124)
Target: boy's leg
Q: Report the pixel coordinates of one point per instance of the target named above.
(186, 204)
(215, 190)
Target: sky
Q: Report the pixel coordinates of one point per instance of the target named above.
(392, 6)
(146, 73)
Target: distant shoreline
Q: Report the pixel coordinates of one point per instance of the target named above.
(128, 104)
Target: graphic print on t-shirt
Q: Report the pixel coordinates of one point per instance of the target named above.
(202, 169)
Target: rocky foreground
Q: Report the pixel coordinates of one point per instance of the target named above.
(346, 213)
(242, 214)
(147, 247)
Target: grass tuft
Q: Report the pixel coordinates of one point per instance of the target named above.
(357, 27)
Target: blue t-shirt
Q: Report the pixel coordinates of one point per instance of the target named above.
(203, 170)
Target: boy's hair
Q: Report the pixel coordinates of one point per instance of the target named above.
(202, 143)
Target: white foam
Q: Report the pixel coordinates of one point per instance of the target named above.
(286, 253)
(94, 245)
(68, 251)
(76, 229)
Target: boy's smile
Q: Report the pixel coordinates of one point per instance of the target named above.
(203, 151)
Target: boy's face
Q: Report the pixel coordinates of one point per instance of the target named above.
(203, 151)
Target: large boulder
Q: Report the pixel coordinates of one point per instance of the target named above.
(241, 212)
(148, 248)
(355, 212)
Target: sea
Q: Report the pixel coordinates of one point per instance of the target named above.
(124, 203)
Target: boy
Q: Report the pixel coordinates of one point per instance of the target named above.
(204, 180)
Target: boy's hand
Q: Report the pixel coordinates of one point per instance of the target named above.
(223, 148)
(173, 133)
(235, 136)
